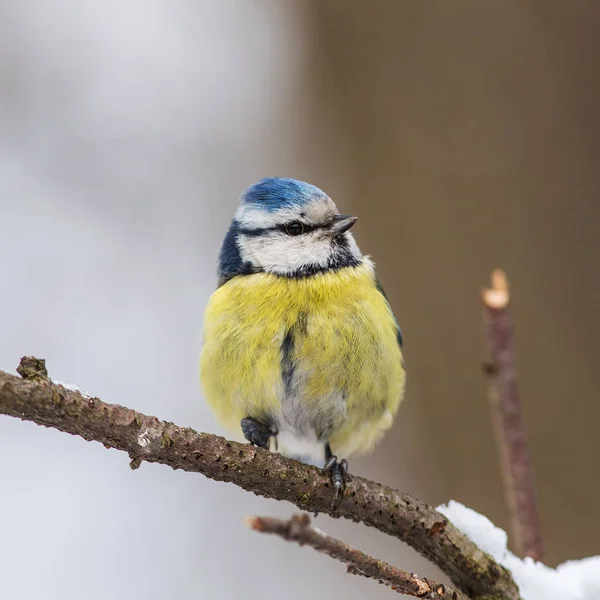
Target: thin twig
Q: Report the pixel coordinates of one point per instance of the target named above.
(298, 529)
(146, 438)
(517, 470)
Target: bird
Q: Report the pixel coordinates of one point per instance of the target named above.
(302, 353)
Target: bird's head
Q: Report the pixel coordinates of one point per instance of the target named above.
(289, 228)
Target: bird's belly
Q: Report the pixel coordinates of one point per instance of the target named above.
(306, 420)
(315, 390)
(318, 363)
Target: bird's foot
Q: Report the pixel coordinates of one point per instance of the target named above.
(257, 433)
(338, 471)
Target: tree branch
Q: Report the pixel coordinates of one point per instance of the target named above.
(146, 438)
(517, 470)
(298, 529)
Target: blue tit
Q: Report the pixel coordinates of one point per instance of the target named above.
(302, 352)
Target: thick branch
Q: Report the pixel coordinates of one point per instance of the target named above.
(145, 438)
(517, 470)
(298, 529)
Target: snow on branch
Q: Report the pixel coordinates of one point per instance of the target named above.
(572, 580)
(34, 397)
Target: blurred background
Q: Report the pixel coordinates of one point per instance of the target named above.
(465, 136)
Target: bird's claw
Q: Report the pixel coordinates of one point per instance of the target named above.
(256, 432)
(338, 472)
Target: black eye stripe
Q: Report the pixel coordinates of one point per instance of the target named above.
(256, 232)
(262, 230)
(306, 227)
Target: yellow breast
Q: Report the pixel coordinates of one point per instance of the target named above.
(318, 351)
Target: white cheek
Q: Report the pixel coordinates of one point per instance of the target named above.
(279, 254)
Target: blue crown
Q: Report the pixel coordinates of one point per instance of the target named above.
(274, 193)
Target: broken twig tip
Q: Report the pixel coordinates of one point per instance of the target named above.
(254, 523)
(497, 296)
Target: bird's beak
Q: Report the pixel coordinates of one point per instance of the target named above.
(342, 223)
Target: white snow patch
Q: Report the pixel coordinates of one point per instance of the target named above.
(73, 388)
(572, 580)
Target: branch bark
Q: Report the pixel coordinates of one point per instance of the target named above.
(505, 401)
(298, 529)
(146, 438)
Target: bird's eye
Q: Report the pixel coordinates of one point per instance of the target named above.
(294, 228)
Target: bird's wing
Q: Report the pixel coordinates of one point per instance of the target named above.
(382, 292)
